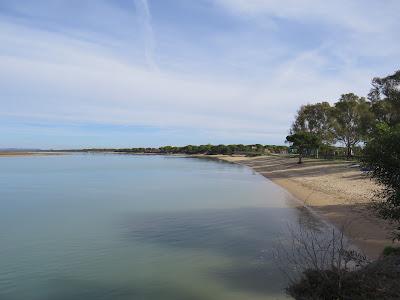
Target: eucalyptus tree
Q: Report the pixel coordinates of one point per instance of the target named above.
(315, 119)
(385, 98)
(352, 120)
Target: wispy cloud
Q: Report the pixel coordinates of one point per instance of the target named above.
(357, 15)
(144, 14)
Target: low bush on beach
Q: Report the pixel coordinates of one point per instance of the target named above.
(389, 250)
(377, 280)
(320, 265)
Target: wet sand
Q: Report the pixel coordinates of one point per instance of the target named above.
(338, 191)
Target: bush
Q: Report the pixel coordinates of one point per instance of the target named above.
(378, 280)
(382, 158)
(389, 250)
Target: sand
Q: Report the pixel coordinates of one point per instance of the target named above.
(338, 191)
(26, 153)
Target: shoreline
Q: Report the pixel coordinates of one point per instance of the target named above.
(323, 187)
(29, 153)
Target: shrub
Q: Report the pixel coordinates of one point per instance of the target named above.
(389, 250)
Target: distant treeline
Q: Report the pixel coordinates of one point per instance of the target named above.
(256, 149)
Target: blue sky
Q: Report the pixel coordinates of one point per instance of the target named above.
(122, 73)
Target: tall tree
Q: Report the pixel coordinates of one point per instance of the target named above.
(315, 118)
(385, 98)
(352, 118)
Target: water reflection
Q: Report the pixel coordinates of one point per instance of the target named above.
(247, 236)
(235, 232)
(74, 289)
(123, 227)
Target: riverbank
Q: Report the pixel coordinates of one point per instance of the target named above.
(338, 191)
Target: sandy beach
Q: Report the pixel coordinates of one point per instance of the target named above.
(338, 191)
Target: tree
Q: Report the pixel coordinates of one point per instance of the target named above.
(352, 120)
(302, 141)
(385, 98)
(316, 119)
(382, 158)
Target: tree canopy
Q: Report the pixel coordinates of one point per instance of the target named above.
(352, 119)
(316, 119)
(385, 98)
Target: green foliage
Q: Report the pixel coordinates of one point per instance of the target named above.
(389, 250)
(348, 121)
(352, 119)
(316, 119)
(385, 98)
(382, 158)
(256, 149)
(139, 150)
(302, 141)
(370, 128)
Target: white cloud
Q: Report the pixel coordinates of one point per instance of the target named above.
(78, 82)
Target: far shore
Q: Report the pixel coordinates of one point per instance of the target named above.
(338, 191)
(29, 153)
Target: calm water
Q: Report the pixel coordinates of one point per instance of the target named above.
(109, 227)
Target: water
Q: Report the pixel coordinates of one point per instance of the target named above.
(138, 227)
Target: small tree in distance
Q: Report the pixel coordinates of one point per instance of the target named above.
(302, 141)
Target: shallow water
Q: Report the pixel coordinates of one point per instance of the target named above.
(138, 227)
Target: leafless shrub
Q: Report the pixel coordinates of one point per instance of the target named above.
(322, 254)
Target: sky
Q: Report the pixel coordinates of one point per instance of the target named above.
(131, 73)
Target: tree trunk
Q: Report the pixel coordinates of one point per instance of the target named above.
(348, 151)
(300, 158)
